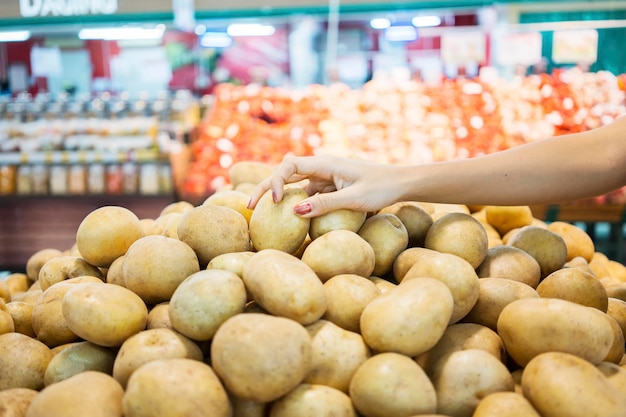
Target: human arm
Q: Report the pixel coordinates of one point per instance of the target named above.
(553, 170)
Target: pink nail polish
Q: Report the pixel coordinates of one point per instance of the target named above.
(274, 198)
(302, 208)
(249, 205)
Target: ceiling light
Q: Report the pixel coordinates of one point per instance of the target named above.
(122, 33)
(250, 29)
(426, 21)
(380, 23)
(215, 40)
(401, 33)
(14, 36)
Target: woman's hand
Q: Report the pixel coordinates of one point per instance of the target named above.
(332, 183)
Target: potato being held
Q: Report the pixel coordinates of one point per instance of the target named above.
(276, 226)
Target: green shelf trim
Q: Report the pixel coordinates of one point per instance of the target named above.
(565, 16)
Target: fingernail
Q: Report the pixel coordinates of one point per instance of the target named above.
(302, 208)
(249, 205)
(274, 197)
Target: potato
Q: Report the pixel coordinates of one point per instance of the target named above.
(100, 396)
(392, 385)
(64, 267)
(615, 374)
(459, 234)
(22, 314)
(5, 293)
(506, 218)
(383, 285)
(463, 377)
(388, 237)
(341, 219)
(15, 401)
(617, 270)
(617, 310)
(455, 272)
(76, 358)
(310, 400)
(574, 285)
(212, 230)
(405, 260)
(599, 264)
(149, 345)
(167, 224)
(23, 361)
(336, 355)
(31, 296)
(106, 233)
(617, 290)
(6, 320)
(37, 260)
(247, 408)
(233, 261)
(176, 207)
(245, 187)
(504, 403)
(548, 248)
(285, 286)
(616, 352)
(204, 300)
(578, 242)
(445, 208)
(261, 357)
(415, 218)
(252, 172)
(104, 314)
(17, 282)
(236, 200)
(347, 295)
(573, 328)
(159, 316)
(48, 322)
(276, 226)
(561, 384)
(358, 256)
(409, 318)
(155, 265)
(461, 336)
(494, 295)
(115, 273)
(511, 263)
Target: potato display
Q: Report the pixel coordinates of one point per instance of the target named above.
(416, 310)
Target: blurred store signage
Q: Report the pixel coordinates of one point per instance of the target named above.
(33, 8)
(519, 49)
(461, 48)
(575, 46)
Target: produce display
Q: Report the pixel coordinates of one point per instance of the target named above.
(216, 310)
(398, 122)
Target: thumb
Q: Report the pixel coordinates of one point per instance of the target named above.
(322, 203)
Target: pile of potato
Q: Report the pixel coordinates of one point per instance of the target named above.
(217, 310)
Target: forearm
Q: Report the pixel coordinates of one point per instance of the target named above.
(555, 170)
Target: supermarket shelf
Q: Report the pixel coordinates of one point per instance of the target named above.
(31, 223)
(80, 157)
